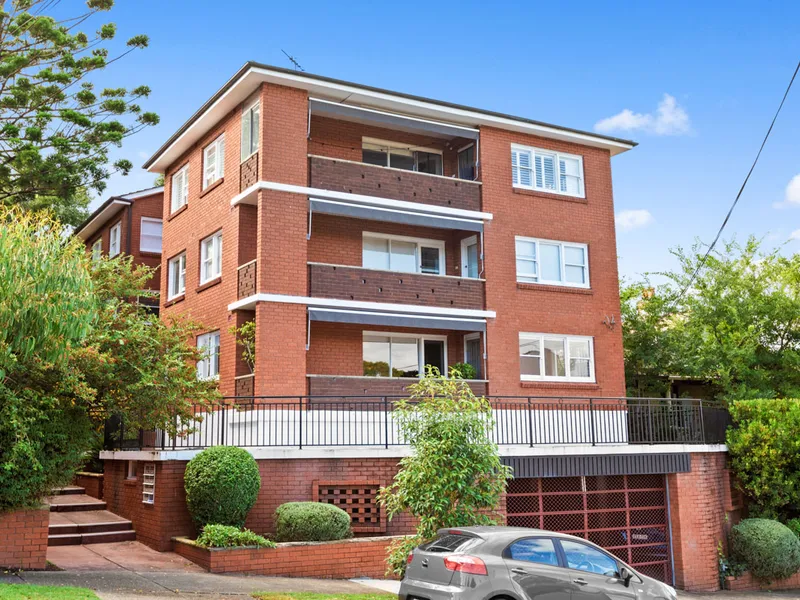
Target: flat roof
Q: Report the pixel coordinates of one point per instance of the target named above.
(253, 74)
(109, 208)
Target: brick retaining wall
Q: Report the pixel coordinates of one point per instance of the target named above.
(23, 539)
(91, 482)
(345, 559)
(747, 583)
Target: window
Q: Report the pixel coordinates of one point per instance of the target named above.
(97, 249)
(548, 357)
(211, 258)
(587, 558)
(149, 484)
(214, 161)
(401, 156)
(402, 355)
(535, 550)
(250, 120)
(180, 188)
(177, 276)
(150, 235)
(553, 263)
(114, 239)
(553, 172)
(470, 257)
(472, 352)
(403, 254)
(466, 163)
(208, 366)
(132, 467)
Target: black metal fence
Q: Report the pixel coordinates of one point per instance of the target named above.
(308, 421)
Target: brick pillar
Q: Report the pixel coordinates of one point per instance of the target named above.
(23, 539)
(697, 506)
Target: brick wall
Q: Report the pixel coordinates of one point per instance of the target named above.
(395, 184)
(417, 289)
(697, 506)
(247, 280)
(23, 539)
(346, 559)
(91, 482)
(366, 386)
(248, 172)
(547, 309)
(747, 583)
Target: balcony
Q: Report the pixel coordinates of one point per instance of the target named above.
(352, 177)
(370, 285)
(319, 421)
(372, 387)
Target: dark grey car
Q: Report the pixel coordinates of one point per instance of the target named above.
(488, 563)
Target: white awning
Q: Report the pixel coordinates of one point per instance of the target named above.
(396, 319)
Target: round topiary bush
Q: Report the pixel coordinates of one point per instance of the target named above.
(221, 485)
(768, 548)
(311, 522)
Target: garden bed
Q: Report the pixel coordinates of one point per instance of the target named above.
(747, 583)
(342, 559)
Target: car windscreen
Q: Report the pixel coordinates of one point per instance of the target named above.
(450, 542)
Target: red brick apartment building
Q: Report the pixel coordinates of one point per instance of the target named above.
(128, 224)
(370, 233)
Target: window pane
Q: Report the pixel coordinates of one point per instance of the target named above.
(574, 255)
(429, 162)
(376, 356)
(579, 358)
(472, 355)
(530, 352)
(550, 260)
(375, 253)
(254, 127)
(404, 256)
(405, 357)
(374, 157)
(549, 166)
(554, 358)
(434, 355)
(539, 177)
(466, 163)
(526, 269)
(526, 249)
(430, 260)
(579, 349)
(541, 551)
(472, 261)
(575, 274)
(569, 172)
(586, 558)
(247, 117)
(401, 160)
(579, 367)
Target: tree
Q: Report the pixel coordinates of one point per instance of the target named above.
(453, 477)
(56, 129)
(738, 324)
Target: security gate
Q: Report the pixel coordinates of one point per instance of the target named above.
(625, 514)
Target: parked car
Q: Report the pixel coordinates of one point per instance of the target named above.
(484, 563)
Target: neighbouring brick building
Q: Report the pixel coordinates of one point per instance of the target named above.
(128, 224)
(370, 233)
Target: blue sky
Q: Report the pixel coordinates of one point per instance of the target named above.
(716, 70)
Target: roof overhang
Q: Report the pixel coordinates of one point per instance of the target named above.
(108, 209)
(252, 75)
(389, 319)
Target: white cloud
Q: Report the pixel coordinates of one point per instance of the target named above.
(669, 119)
(791, 196)
(144, 155)
(633, 219)
(795, 235)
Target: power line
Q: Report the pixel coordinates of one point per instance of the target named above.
(741, 189)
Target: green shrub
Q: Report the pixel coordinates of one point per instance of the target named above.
(311, 522)
(463, 371)
(226, 536)
(768, 548)
(222, 485)
(794, 525)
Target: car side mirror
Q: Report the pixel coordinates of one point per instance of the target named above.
(626, 576)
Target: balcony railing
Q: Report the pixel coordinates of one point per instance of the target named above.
(310, 421)
(370, 285)
(394, 184)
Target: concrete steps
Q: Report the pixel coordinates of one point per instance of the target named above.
(76, 518)
(72, 502)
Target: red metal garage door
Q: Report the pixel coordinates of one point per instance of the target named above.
(625, 514)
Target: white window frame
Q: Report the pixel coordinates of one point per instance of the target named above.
(439, 244)
(466, 243)
(179, 188)
(208, 366)
(468, 338)
(141, 235)
(176, 262)
(214, 258)
(378, 144)
(253, 107)
(132, 469)
(556, 156)
(420, 350)
(524, 278)
(218, 171)
(566, 339)
(115, 239)
(97, 249)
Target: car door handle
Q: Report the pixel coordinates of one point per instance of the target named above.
(519, 571)
(580, 581)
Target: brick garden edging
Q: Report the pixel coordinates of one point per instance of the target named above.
(747, 583)
(343, 559)
(23, 538)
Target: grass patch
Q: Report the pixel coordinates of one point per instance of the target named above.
(314, 596)
(44, 592)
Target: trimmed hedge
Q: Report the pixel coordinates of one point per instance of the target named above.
(768, 548)
(311, 522)
(225, 536)
(221, 485)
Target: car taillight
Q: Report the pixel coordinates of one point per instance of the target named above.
(465, 564)
(410, 558)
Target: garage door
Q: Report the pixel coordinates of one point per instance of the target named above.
(625, 514)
